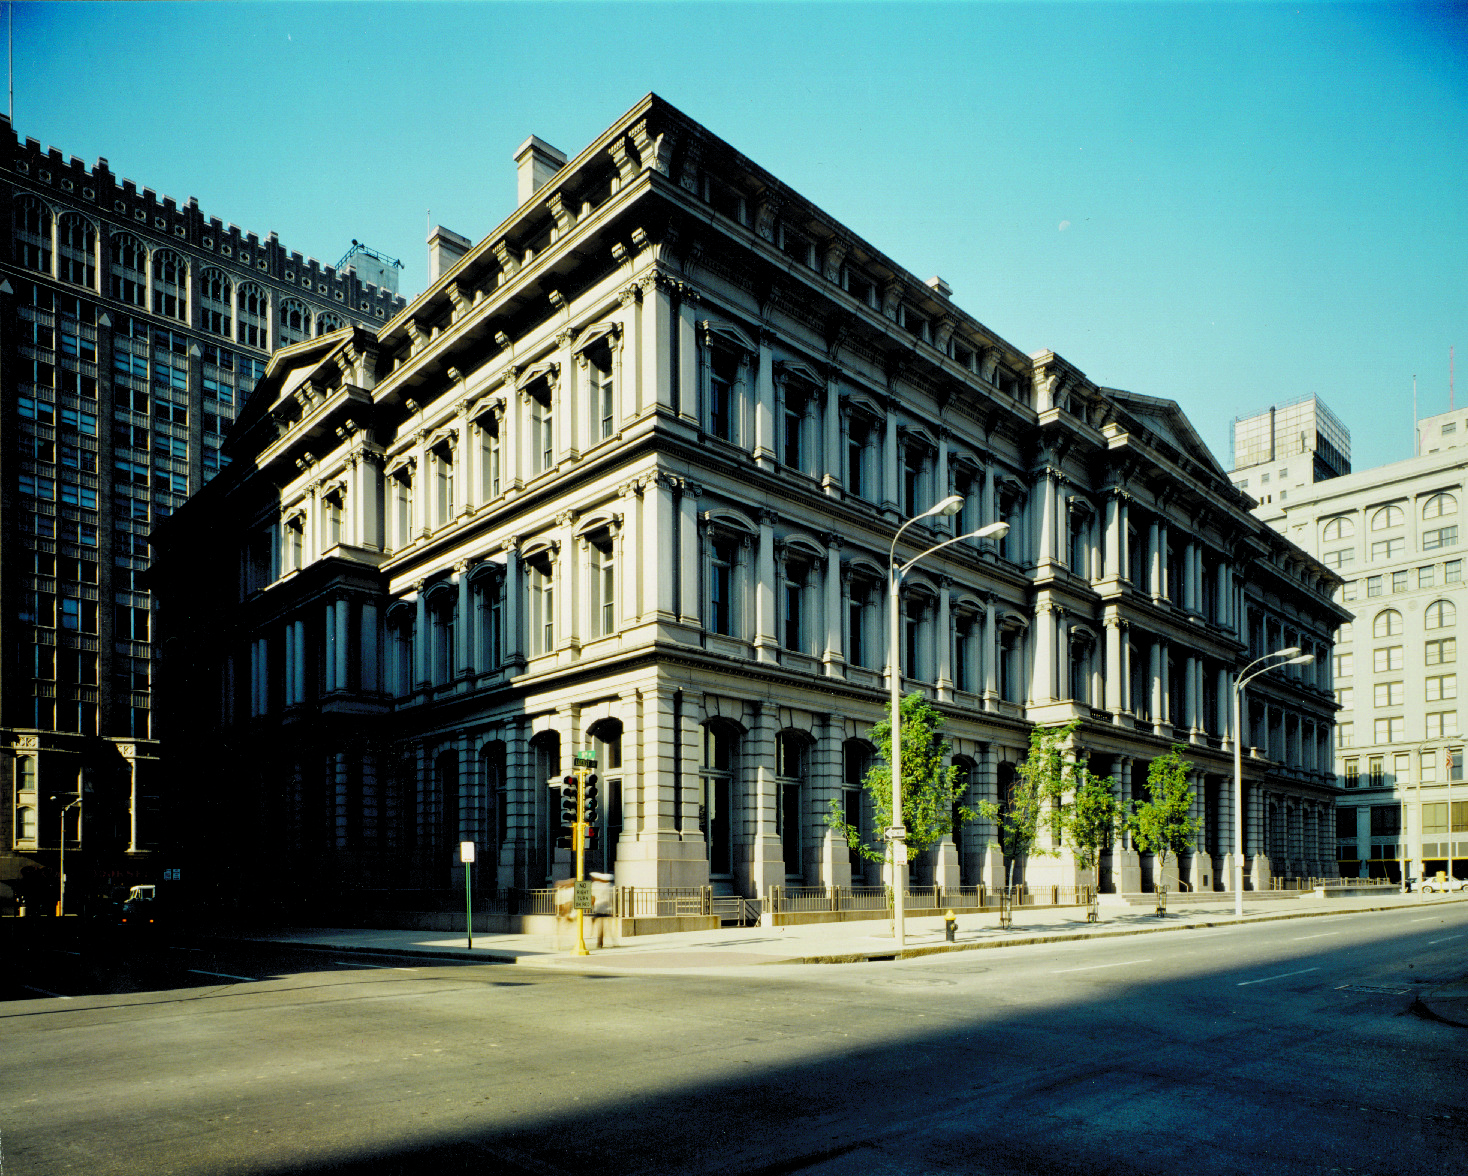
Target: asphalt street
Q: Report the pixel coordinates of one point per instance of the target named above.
(1293, 1047)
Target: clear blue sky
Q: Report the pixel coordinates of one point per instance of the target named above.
(1229, 206)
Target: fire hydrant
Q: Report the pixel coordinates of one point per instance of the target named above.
(950, 925)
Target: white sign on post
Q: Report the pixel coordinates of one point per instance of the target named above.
(466, 851)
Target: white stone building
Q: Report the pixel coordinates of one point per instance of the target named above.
(1393, 534)
(625, 477)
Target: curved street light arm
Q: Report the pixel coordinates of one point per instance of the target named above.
(903, 569)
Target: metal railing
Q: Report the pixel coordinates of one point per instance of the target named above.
(789, 900)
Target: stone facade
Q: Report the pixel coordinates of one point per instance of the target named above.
(1393, 534)
(131, 330)
(625, 478)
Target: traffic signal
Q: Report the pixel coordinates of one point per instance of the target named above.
(565, 835)
(591, 813)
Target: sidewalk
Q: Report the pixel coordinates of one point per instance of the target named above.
(824, 943)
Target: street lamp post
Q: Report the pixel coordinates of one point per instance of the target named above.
(61, 895)
(1294, 658)
(897, 833)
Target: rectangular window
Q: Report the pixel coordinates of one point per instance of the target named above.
(1441, 723)
(1390, 730)
(721, 587)
(1373, 585)
(723, 376)
(1440, 689)
(1426, 576)
(1384, 549)
(1343, 558)
(1374, 772)
(1353, 773)
(1443, 652)
(1387, 659)
(1348, 591)
(1427, 766)
(1386, 694)
(1401, 767)
(1442, 537)
(1453, 571)
(1346, 734)
(795, 576)
(542, 610)
(1399, 581)
(1345, 665)
(1386, 820)
(1345, 697)
(1435, 817)
(1460, 816)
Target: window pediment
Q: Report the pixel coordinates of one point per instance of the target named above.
(717, 334)
(794, 369)
(549, 371)
(725, 519)
(608, 331)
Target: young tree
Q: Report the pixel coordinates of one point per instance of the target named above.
(930, 791)
(1038, 794)
(1163, 824)
(1092, 819)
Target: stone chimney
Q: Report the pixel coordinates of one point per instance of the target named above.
(445, 247)
(536, 161)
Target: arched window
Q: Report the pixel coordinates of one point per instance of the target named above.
(496, 808)
(1440, 614)
(254, 312)
(545, 751)
(295, 322)
(170, 285)
(451, 822)
(856, 761)
(214, 298)
(441, 651)
(791, 769)
(487, 587)
(32, 234)
(716, 780)
(400, 650)
(1341, 528)
(1439, 505)
(128, 271)
(1388, 623)
(606, 737)
(326, 322)
(1387, 516)
(77, 239)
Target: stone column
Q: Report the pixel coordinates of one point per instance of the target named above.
(834, 656)
(1045, 490)
(1191, 716)
(657, 549)
(463, 624)
(514, 607)
(1046, 620)
(766, 853)
(688, 406)
(689, 553)
(656, 360)
(1126, 863)
(1156, 656)
(343, 639)
(371, 657)
(989, 667)
(943, 639)
(421, 637)
(1200, 866)
(942, 487)
(891, 486)
(831, 427)
(764, 403)
(1112, 625)
(1155, 539)
(764, 591)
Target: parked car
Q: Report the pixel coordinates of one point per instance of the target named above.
(1433, 886)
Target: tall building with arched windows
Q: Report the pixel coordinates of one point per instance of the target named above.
(131, 331)
(624, 480)
(1392, 534)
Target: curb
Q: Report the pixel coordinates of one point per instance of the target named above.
(910, 953)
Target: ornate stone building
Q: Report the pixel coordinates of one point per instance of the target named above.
(624, 479)
(131, 330)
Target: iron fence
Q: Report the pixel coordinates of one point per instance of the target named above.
(822, 899)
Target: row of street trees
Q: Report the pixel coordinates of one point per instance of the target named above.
(1052, 793)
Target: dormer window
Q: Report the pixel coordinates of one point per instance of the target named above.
(796, 246)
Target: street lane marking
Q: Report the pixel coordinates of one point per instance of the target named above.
(45, 992)
(1093, 967)
(351, 964)
(1281, 976)
(226, 975)
(1322, 935)
(1430, 942)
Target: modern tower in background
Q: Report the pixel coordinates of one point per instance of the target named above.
(1286, 447)
(131, 331)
